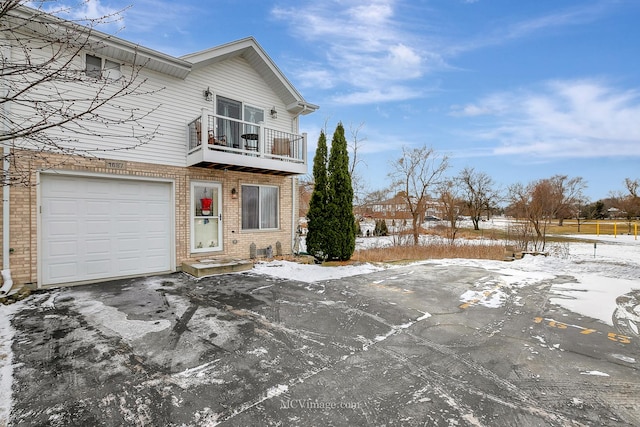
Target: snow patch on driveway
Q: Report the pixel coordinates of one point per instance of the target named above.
(114, 319)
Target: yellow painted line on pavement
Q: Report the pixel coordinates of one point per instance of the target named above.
(611, 336)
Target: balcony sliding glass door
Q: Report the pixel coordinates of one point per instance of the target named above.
(229, 129)
(244, 136)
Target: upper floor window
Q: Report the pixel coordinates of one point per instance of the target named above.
(98, 67)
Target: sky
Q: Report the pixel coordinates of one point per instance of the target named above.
(519, 90)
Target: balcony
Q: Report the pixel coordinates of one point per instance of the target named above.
(220, 142)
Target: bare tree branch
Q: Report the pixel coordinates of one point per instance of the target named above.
(414, 174)
(51, 104)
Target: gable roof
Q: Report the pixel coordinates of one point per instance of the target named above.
(249, 49)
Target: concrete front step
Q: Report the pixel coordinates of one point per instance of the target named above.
(209, 267)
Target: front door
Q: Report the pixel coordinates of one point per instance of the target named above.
(206, 217)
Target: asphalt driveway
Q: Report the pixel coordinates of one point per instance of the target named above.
(395, 347)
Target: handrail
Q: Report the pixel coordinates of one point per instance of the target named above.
(226, 134)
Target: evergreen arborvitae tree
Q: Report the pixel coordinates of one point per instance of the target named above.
(341, 229)
(316, 216)
(384, 231)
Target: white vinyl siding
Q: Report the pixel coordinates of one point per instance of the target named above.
(172, 103)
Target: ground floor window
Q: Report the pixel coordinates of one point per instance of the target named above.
(206, 228)
(259, 207)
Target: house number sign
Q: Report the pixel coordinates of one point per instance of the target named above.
(115, 165)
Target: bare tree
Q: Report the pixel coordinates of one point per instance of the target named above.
(541, 201)
(629, 202)
(357, 181)
(531, 204)
(565, 196)
(49, 101)
(414, 174)
(477, 192)
(449, 197)
(633, 185)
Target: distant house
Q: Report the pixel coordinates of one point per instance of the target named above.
(219, 178)
(396, 208)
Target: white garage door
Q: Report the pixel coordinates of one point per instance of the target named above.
(99, 228)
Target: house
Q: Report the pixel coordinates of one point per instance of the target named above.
(218, 180)
(396, 208)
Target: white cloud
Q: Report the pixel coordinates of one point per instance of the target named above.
(376, 95)
(315, 77)
(86, 12)
(364, 48)
(563, 118)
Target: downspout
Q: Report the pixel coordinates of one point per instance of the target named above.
(294, 220)
(7, 283)
(295, 211)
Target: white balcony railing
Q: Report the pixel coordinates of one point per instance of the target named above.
(227, 142)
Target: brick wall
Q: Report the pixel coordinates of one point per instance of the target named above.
(236, 242)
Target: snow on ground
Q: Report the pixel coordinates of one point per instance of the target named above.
(597, 280)
(310, 273)
(6, 362)
(597, 276)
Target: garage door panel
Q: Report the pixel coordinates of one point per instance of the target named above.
(129, 265)
(62, 229)
(155, 193)
(62, 207)
(155, 262)
(96, 188)
(156, 209)
(98, 228)
(130, 227)
(127, 246)
(155, 225)
(63, 271)
(132, 208)
(98, 247)
(157, 243)
(97, 207)
(64, 249)
(97, 268)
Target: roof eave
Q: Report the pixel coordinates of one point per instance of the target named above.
(112, 46)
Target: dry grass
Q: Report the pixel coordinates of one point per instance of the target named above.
(430, 251)
(604, 227)
(405, 251)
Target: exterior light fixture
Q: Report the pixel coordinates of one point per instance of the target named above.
(274, 113)
(208, 95)
(234, 193)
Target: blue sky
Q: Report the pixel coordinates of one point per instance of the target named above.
(520, 90)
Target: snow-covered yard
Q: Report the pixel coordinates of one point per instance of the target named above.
(600, 278)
